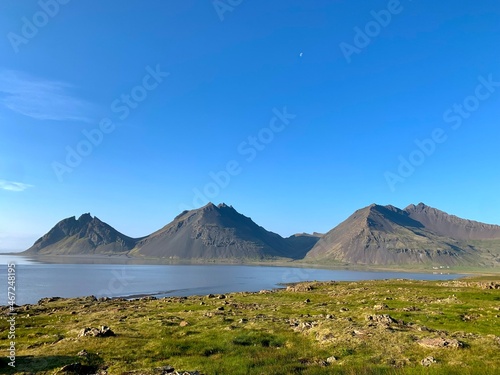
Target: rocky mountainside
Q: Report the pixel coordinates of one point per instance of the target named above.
(85, 235)
(452, 226)
(382, 235)
(208, 233)
(218, 232)
(303, 242)
(374, 235)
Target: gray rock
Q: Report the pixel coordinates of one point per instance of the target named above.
(83, 353)
(104, 331)
(77, 368)
(331, 359)
(384, 319)
(426, 362)
(164, 370)
(411, 308)
(440, 342)
(148, 298)
(48, 299)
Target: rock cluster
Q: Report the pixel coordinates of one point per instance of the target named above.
(440, 342)
(426, 362)
(77, 368)
(104, 331)
(298, 288)
(169, 370)
(471, 284)
(48, 299)
(384, 320)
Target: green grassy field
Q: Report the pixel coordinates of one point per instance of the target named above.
(290, 331)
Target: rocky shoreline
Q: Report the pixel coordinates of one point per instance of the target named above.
(316, 327)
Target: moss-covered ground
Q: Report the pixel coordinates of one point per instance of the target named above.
(289, 331)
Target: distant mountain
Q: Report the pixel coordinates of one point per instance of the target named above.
(216, 232)
(452, 226)
(85, 235)
(303, 242)
(208, 233)
(374, 235)
(382, 235)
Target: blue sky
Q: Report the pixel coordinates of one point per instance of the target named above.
(295, 112)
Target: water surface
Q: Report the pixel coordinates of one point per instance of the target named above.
(35, 279)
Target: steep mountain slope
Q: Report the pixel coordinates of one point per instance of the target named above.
(215, 232)
(302, 243)
(85, 235)
(374, 235)
(387, 235)
(446, 225)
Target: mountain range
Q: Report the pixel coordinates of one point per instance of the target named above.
(374, 235)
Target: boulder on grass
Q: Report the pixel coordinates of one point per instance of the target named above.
(104, 331)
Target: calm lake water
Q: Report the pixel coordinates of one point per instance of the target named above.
(35, 280)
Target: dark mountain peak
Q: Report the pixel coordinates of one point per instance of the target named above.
(222, 215)
(375, 208)
(419, 208)
(225, 209)
(384, 235)
(446, 225)
(86, 235)
(390, 207)
(384, 217)
(384, 209)
(419, 233)
(364, 212)
(208, 212)
(209, 205)
(217, 232)
(424, 212)
(87, 220)
(304, 234)
(374, 234)
(410, 207)
(84, 218)
(208, 208)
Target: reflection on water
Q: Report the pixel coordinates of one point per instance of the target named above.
(36, 279)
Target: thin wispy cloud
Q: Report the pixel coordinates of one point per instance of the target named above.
(41, 99)
(13, 186)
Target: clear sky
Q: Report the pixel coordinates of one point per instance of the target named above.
(295, 112)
